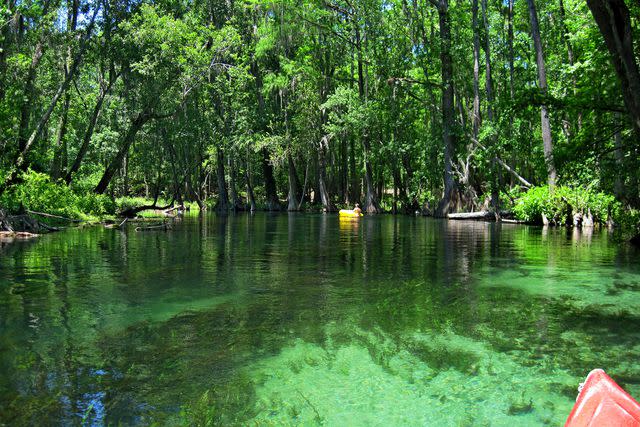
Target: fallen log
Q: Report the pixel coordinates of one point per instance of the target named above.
(473, 215)
(47, 215)
(17, 235)
(26, 223)
(178, 208)
(132, 212)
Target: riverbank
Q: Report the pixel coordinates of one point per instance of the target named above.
(37, 205)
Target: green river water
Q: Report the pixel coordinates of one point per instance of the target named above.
(308, 320)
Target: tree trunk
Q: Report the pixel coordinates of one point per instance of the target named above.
(5, 42)
(322, 177)
(21, 160)
(235, 199)
(510, 43)
(495, 173)
(370, 201)
(612, 17)
(88, 133)
(136, 124)
(487, 62)
(25, 108)
(618, 187)
(448, 112)
(476, 68)
(60, 148)
(273, 203)
(294, 186)
(223, 198)
(344, 171)
(250, 197)
(547, 141)
(354, 183)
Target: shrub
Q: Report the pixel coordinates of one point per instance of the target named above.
(37, 193)
(96, 204)
(560, 205)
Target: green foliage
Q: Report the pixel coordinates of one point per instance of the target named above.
(563, 202)
(37, 193)
(97, 205)
(263, 81)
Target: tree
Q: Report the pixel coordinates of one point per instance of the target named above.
(547, 140)
(613, 19)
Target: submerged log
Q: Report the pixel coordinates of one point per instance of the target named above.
(114, 225)
(159, 227)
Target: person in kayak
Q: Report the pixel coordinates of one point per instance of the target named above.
(357, 209)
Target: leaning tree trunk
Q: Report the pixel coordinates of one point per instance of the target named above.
(60, 154)
(115, 165)
(88, 133)
(448, 112)
(612, 17)
(25, 108)
(21, 162)
(547, 140)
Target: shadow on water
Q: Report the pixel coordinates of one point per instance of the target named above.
(293, 318)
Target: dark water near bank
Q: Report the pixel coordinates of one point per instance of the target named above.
(305, 319)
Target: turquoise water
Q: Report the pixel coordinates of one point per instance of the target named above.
(308, 320)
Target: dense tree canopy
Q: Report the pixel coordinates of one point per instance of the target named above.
(399, 105)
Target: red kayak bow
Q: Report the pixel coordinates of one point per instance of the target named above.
(602, 402)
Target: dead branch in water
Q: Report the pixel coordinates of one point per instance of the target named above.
(160, 227)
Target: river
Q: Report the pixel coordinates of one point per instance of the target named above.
(304, 319)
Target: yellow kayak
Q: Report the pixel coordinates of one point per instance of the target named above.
(349, 213)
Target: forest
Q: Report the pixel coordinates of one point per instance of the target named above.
(432, 106)
(119, 116)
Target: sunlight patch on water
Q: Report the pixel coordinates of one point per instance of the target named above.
(420, 379)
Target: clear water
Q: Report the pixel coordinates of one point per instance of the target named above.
(309, 320)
